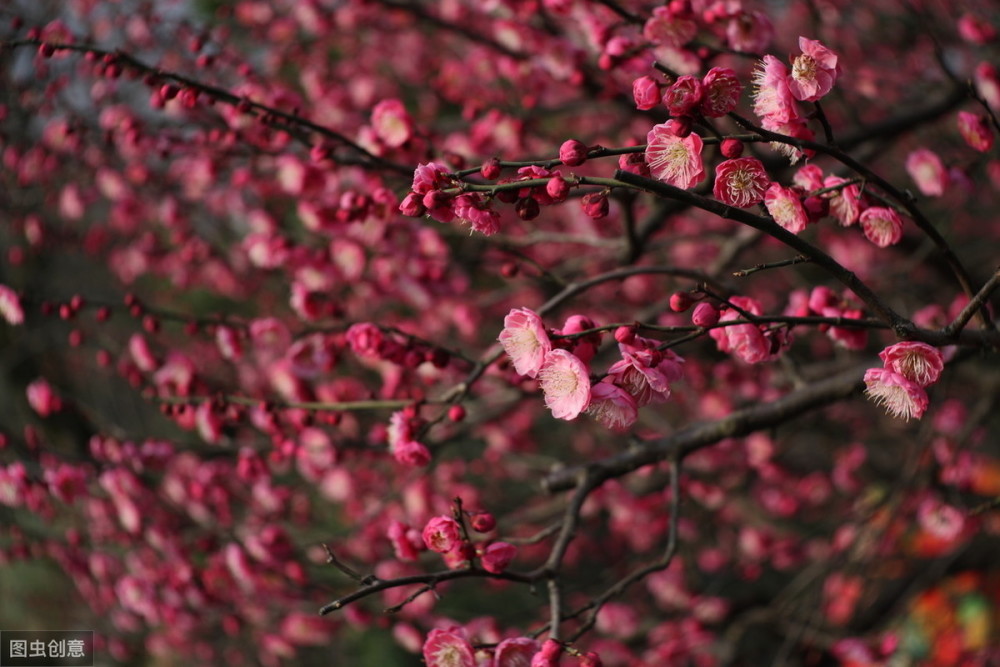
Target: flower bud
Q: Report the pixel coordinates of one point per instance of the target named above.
(731, 148)
(573, 153)
(705, 315)
(490, 169)
(680, 301)
(596, 204)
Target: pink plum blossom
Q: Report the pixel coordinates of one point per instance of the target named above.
(448, 648)
(976, 131)
(392, 123)
(565, 384)
(927, 171)
(772, 98)
(612, 406)
(814, 71)
(845, 203)
(10, 306)
(673, 159)
(683, 96)
(515, 652)
(442, 534)
(785, 207)
(918, 362)
(722, 92)
(497, 556)
(900, 397)
(669, 28)
(740, 182)
(882, 226)
(745, 341)
(645, 92)
(525, 341)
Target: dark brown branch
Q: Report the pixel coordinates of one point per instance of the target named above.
(698, 436)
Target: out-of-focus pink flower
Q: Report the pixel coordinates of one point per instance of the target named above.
(411, 453)
(942, 521)
(645, 92)
(722, 92)
(515, 652)
(442, 534)
(10, 306)
(669, 28)
(740, 182)
(899, 396)
(42, 398)
(448, 648)
(391, 122)
(784, 206)
(683, 96)
(749, 32)
(925, 168)
(525, 341)
(882, 226)
(673, 159)
(406, 542)
(612, 406)
(918, 362)
(813, 72)
(497, 556)
(987, 82)
(975, 130)
(975, 30)
(565, 383)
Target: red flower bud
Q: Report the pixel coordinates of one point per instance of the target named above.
(573, 153)
(596, 204)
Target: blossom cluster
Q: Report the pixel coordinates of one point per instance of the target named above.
(777, 89)
(908, 368)
(642, 375)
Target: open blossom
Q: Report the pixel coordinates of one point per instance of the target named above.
(845, 204)
(612, 406)
(525, 340)
(673, 159)
(772, 99)
(475, 209)
(740, 182)
(814, 71)
(745, 341)
(784, 206)
(899, 396)
(722, 92)
(565, 383)
(749, 32)
(448, 648)
(442, 534)
(882, 226)
(927, 171)
(917, 362)
(430, 176)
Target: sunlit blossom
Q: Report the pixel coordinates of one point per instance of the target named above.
(525, 340)
(927, 171)
(565, 383)
(785, 207)
(10, 306)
